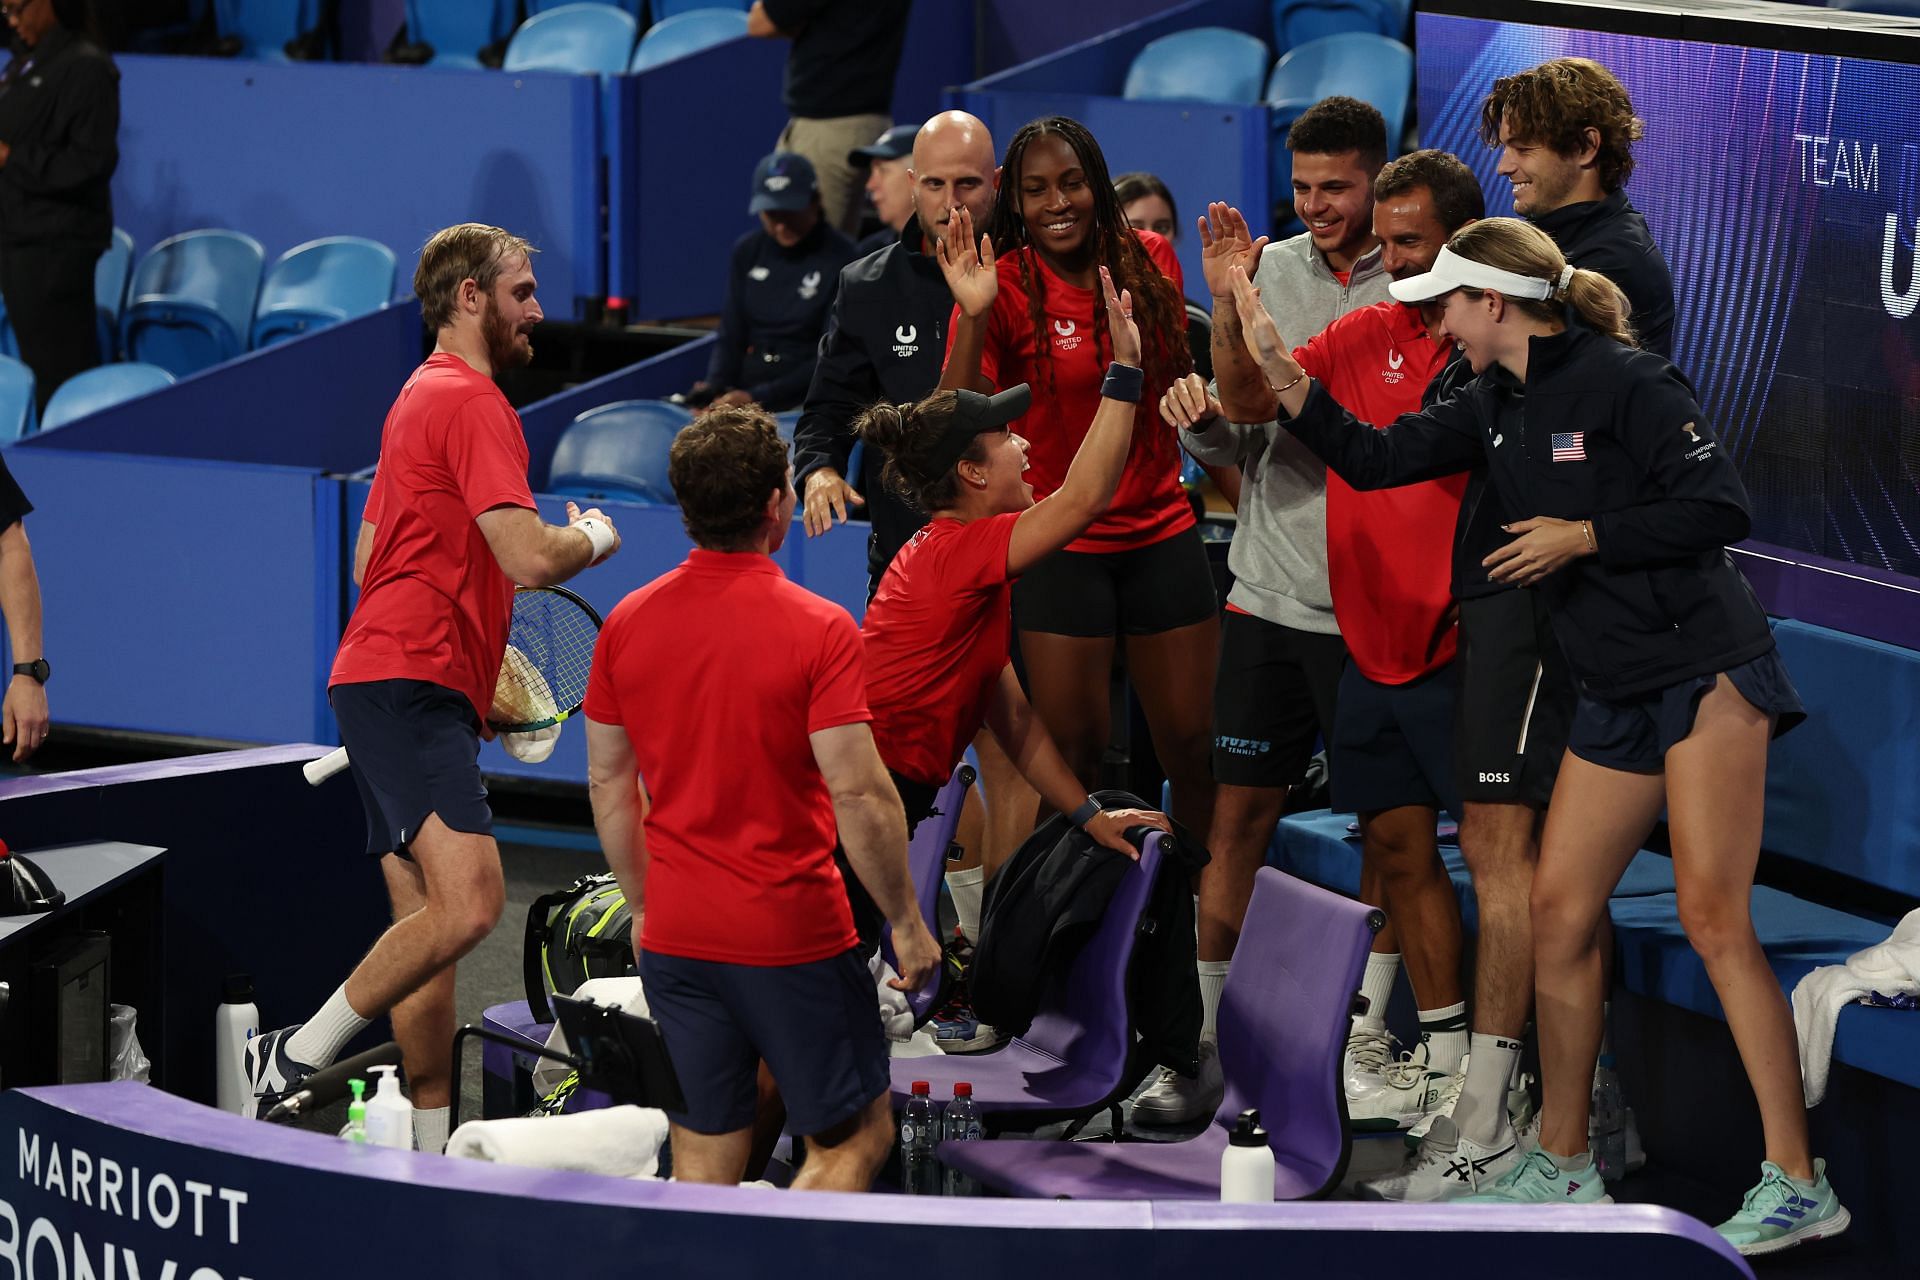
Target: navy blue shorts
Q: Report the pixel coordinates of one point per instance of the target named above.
(414, 749)
(1393, 743)
(1276, 693)
(817, 1027)
(1635, 735)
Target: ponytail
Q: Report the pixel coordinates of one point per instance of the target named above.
(1524, 249)
(1600, 305)
(907, 434)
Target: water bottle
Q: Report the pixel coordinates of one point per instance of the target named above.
(919, 1175)
(1607, 1122)
(961, 1124)
(1246, 1166)
(235, 1022)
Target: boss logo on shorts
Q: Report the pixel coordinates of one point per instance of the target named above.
(1495, 777)
(1242, 746)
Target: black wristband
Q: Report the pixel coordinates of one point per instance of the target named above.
(1084, 814)
(1124, 382)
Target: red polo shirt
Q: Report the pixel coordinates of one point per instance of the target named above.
(719, 670)
(1389, 551)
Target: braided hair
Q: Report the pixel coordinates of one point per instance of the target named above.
(1157, 306)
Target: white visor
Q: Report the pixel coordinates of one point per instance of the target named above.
(1451, 271)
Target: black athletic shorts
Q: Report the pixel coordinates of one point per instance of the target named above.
(1275, 694)
(1393, 744)
(1516, 700)
(816, 1025)
(414, 749)
(1143, 592)
(868, 919)
(1635, 734)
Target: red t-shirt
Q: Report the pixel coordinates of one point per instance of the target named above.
(1150, 504)
(719, 670)
(937, 634)
(434, 603)
(1389, 551)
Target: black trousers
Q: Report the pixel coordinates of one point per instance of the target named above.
(48, 289)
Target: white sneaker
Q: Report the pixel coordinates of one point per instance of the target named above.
(1174, 1099)
(1401, 1096)
(1446, 1165)
(1443, 1106)
(1369, 1052)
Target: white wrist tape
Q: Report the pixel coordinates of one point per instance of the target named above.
(598, 533)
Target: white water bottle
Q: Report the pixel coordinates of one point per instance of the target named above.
(235, 1022)
(1246, 1166)
(389, 1114)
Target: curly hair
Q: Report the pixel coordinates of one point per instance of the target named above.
(1158, 308)
(1338, 124)
(1554, 105)
(722, 466)
(907, 434)
(469, 251)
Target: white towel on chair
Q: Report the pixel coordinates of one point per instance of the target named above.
(620, 1142)
(624, 994)
(1892, 966)
(896, 1016)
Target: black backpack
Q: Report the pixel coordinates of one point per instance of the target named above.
(582, 931)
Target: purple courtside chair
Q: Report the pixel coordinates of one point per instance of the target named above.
(1283, 1025)
(1076, 1059)
(927, 864)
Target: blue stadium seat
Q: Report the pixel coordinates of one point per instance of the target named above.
(541, 6)
(457, 30)
(1374, 68)
(685, 33)
(787, 423)
(618, 451)
(1296, 22)
(16, 400)
(263, 27)
(110, 276)
(192, 299)
(320, 283)
(1211, 64)
(661, 10)
(579, 38)
(8, 347)
(102, 388)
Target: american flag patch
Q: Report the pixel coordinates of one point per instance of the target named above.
(1569, 446)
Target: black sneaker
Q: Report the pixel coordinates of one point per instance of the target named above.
(271, 1074)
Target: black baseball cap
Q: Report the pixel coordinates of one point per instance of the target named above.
(974, 415)
(892, 145)
(783, 182)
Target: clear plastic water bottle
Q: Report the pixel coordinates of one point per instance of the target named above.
(919, 1131)
(961, 1124)
(1607, 1122)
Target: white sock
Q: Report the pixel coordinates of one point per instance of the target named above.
(1481, 1113)
(319, 1042)
(430, 1129)
(1213, 979)
(1444, 1032)
(967, 888)
(1377, 986)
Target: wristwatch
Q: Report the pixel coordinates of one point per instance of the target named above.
(38, 670)
(1084, 814)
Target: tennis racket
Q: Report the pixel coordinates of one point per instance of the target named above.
(543, 677)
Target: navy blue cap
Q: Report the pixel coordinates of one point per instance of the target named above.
(892, 145)
(783, 182)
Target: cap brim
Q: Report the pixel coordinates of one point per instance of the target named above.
(785, 202)
(1004, 407)
(860, 155)
(1424, 287)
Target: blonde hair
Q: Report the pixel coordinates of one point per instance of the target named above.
(1524, 249)
(470, 251)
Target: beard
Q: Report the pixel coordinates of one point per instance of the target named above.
(505, 348)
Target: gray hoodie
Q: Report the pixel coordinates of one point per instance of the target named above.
(1279, 551)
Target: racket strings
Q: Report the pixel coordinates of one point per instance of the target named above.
(548, 660)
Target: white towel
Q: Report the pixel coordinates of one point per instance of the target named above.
(621, 993)
(1893, 966)
(620, 1142)
(895, 1014)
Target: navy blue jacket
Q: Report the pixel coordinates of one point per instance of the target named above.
(886, 339)
(60, 112)
(777, 301)
(1602, 432)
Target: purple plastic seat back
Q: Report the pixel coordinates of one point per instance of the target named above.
(1284, 1017)
(926, 863)
(1083, 1018)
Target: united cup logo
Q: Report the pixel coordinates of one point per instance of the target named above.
(1064, 336)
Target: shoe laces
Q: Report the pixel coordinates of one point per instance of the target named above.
(1407, 1071)
(1369, 1051)
(1774, 1192)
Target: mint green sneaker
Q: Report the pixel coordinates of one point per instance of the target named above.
(1779, 1213)
(1538, 1180)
